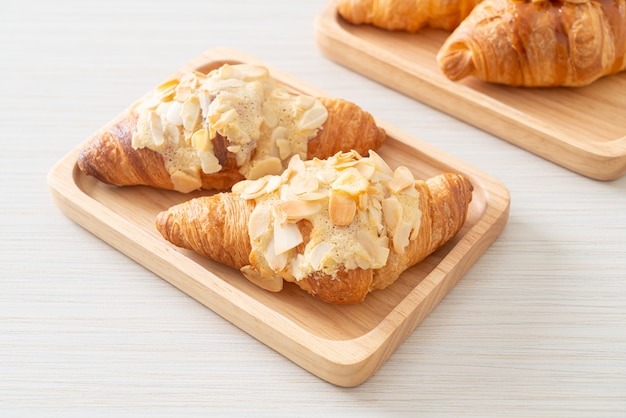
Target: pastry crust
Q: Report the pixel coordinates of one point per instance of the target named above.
(113, 156)
(221, 227)
(538, 43)
(406, 15)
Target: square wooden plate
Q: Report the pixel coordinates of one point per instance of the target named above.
(344, 345)
(582, 129)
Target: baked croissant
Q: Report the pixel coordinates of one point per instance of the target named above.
(338, 228)
(406, 15)
(210, 131)
(538, 43)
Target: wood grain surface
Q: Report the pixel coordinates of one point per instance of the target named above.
(535, 327)
(582, 129)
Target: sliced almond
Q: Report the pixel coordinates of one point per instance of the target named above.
(316, 256)
(374, 247)
(305, 102)
(190, 113)
(250, 72)
(401, 236)
(259, 222)
(380, 164)
(166, 90)
(156, 128)
(272, 283)
(273, 183)
(209, 162)
(304, 184)
(313, 118)
(286, 237)
(204, 97)
(270, 165)
(392, 212)
(311, 196)
(366, 168)
(294, 210)
(350, 181)
(173, 114)
(252, 187)
(200, 140)
(341, 209)
(276, 262)
(402, 179)
(185, 182)
(284, 148)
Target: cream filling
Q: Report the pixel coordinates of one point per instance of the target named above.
(359, 208)
(264, 123)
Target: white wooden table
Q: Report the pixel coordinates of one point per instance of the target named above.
(537, 327)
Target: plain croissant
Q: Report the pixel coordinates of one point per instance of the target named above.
(338, 228)
(538, 43)
(406, 15)
(210, 131)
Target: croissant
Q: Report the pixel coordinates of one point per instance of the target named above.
(337, 228)
(538, 43)
(406, 15)
(210, 131)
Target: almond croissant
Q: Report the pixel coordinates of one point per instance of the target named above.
(538, 43)
(337, 228)
(406, 15)
(210, 131)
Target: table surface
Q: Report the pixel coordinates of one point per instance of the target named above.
(537, 327)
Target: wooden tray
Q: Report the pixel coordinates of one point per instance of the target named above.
(582, 129)
(341, 344)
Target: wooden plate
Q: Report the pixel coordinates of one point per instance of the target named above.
(341, 344)
(582, 129)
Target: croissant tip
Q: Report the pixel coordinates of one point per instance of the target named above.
(455, 60)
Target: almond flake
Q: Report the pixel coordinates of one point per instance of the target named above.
(259, 222)
(311, 196)
(173, 114)
(156, 128)
(210, 163)
(273, 183)
(284, 148)
(376, 252)
(341, 209)
(401, 236)
(252, 187)
(200, 140)
(272, 283)
(305, 102)
(166, 90)
(276, 262)
(185, 182)
(402, 179)
(350, 181)
(294, 210)
(270, 165)
(249, 72)
(317, 254)
(380, 164)
(304, 184)
(286, 237)
(392, 212)
(313, 118)
(190, 113)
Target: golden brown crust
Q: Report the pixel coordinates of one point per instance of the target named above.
(538, 43)
(216, 226)
(109, 156)
(406, 15)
